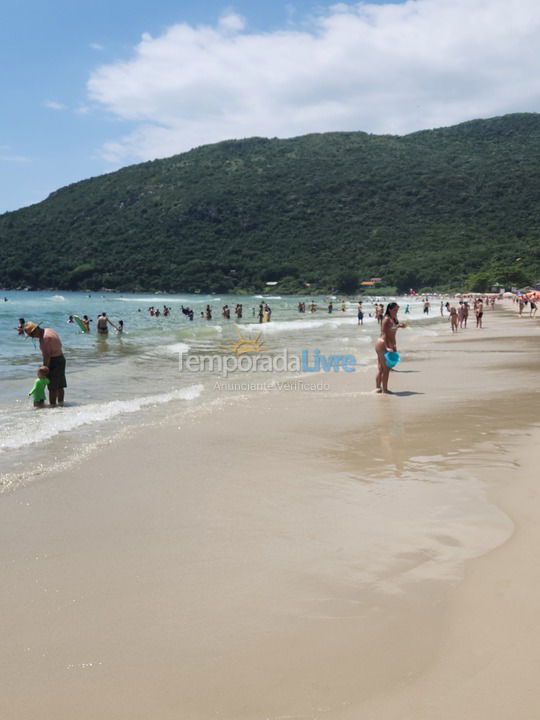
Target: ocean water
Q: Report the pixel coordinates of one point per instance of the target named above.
(135, 377)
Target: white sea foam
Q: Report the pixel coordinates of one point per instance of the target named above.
(57, 298)
(147, 301)
(279, 326)
(40, 425)
(173, 349)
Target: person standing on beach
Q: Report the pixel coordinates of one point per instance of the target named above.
(479, 310)
(53, 358)
(460, 314)
(386, 343)
(454, 318)
(465, 313)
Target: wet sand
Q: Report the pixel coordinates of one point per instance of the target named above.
(297, 554)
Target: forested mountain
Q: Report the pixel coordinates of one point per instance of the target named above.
(438, 208)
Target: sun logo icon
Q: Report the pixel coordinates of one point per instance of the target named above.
(244, 345)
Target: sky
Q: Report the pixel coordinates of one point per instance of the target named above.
(89, 87)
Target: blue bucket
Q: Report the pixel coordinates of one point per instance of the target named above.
(392, 359)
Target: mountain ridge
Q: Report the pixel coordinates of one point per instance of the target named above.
(434, 208)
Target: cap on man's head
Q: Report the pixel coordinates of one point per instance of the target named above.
(30, 327)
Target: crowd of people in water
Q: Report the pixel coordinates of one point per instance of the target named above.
(51, 373)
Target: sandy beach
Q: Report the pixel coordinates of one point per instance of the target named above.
(294, 553)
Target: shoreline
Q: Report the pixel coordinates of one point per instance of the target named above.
(295, 554)
(126, 378)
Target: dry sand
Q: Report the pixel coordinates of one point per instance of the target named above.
(331, 554)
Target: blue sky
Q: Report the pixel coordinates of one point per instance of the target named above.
(87, 88)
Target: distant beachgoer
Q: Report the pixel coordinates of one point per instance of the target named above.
(120, 326)
(86, 322)
(103, 323)
(460, 313)
(360, 314)
(261, 313)
(239, 310)
(20, 327)
(442, 308)
(479, 311)
(379, 312)
(465, 313)
(407, 309)
(70, 319)
(53, 357)
(38, 388)
(386, 343)
(343, 306)
(312, 307)
(532, 303)
(330, 307)
(426, 307)
(454, 318)
(208, 312)
(267, 314)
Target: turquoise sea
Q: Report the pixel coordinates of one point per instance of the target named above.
(134, 377)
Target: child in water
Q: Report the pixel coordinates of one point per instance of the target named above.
(38, 389)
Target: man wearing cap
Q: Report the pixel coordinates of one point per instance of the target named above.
(53, 357)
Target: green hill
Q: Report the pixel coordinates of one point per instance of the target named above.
(437, 208)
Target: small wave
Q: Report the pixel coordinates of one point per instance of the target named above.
(278, 326)
(52, 422)
(183, 300)
(174, 349)
(57, 298)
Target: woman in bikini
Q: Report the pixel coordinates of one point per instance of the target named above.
(386, 343)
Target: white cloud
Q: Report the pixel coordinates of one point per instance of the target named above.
(53, 105)
(231, 22)
(14, 158)
(96, 46)
(391, 68)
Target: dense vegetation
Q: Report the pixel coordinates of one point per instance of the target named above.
(440, 208)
